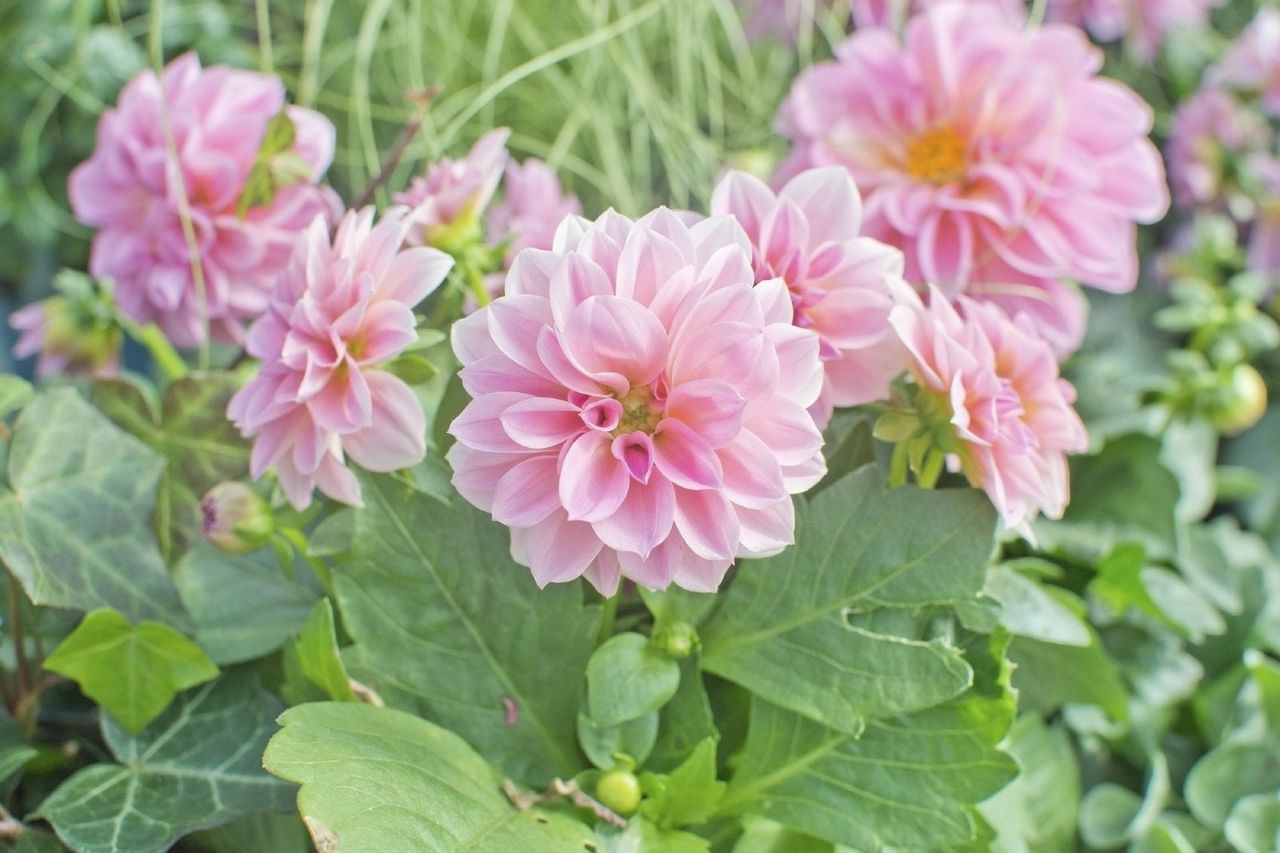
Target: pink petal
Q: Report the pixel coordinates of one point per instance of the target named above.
(541, 422)
(708, 523)
(642, 520)
(556, 549)
(593, 483)
(397, 435)
(526, 494)
(711, 408)
(684, 458)
(610, 334)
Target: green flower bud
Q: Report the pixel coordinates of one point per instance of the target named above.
(1244, 401)
(619, 790)
(235, 519)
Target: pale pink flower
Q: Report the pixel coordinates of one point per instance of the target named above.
(894, 13)
(129, 190)
(1211, 130)
(781, 19)
(808, 236)
(532, 207)
(453, 194)
(1264, 238)
(63, 343)
(993, 155)
(1143, 24)
(340, 311)
(1253, 62)
(994, 383)
(639, 405)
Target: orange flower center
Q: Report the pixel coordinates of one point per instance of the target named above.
(938, 155)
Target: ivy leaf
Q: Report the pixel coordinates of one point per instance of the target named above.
(431, 597)
(907, 782)
(133, 671)
(381, 779)
(74, 529)
(313, 659)
(197, 766)
(243, 605)
(783, 630)
(201, 447)
(687, 795)
(628, 678)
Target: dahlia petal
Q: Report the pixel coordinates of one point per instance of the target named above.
(556, 549)
(708, 523)
(830, 201)
(396, 437)
(541, 422)
(593, 482)
(684, 458)
(642, 520)
(526, 494)
(711, 408)
(610, 334)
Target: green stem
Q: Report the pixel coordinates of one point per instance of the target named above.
(264, 37)
(928, 477)
(295, 537)
(607, 616)
(898, 465)
(476, 280)
(162, 352)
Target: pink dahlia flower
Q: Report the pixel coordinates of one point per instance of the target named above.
(1264, 238)
(639, 405)
(894, 13)
(452, 196)
(532, 207)
(128, 190)
(340, 310)
(995, 383)
(1211, 130)
(1253, 62)
(1143, 24)
(991, 154)
(781, 19)
(807, 235)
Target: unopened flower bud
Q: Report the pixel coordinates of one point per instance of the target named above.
(234, 518)
(678, 640)
(1244, 401)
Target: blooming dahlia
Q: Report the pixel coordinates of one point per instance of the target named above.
(991, 395)
(450, 198)
(639, 404)
(993, 155)
(807, 236)
(130, 189)
(340, 310)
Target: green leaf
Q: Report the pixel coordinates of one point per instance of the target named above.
(15, 751)
(1037, 811)
(75, 529)
(15, 392)
(276, 166)
(687, 795)
(314, 656)
(381, 779)
(1253, 826)
(201, 447)
(1048, 675)
(1031, 610)
(761, 835)
(907, 782)
(1107, 815)
(634, 739)
(431, 597)
(133, 671)
(1227, 774)
(684, 722)
(197, 766)
(628, 678)
(244, 605)
(783, 630)
(260, 831)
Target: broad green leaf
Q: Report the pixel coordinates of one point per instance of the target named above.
(314, 656)
(132, 671)
(201, 446)
(1253, 826)
(381, 779)
(783, 631)
(688, 794)
(634, 739)
(907, 782)
(1121, 495)
(431, 597)
(198, 766)
(628, 678)
(244, 605)
(1028, 609)
(75, 529)
(1107, 815)
(641, 836)
(761, 835)
(15, 392)
(260, 832)
(684, 722)
(1037, 811)
(1227, 774)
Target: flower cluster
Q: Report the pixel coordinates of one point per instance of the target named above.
(341, 309)
(992, 155)
(166, 187)
(639, 404)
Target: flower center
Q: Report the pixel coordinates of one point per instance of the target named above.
(639, 412)
(938, 155)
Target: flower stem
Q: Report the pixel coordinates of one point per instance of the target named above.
(162, 352)
(898, 465)
(295, 537)
(607, 616)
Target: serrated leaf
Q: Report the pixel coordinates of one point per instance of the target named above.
(75, 530)
(132, 671)
(628, 678)
(244, 605)
(198, 766)
(782, 630)
(431, 597)
(314, 656)
(201, 446)
(907, 782)
(381, 779)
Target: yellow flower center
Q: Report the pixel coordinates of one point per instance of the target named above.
(938, 155)
(638, 412)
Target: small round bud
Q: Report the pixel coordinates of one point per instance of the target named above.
(619, 790)
(1245, 401)
(234, 518)
(678, 640)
